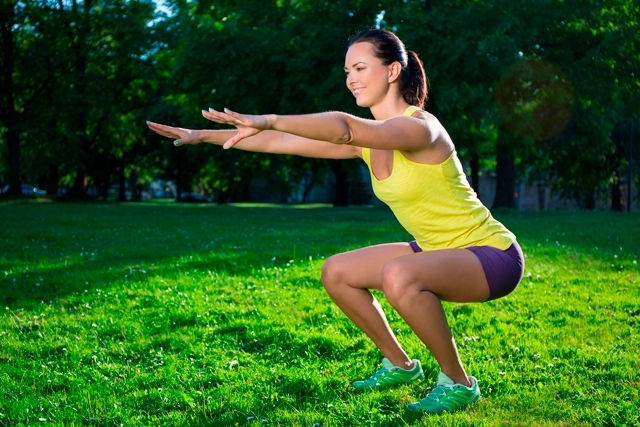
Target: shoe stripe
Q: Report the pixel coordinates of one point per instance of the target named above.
(446, 399)
(391, 376)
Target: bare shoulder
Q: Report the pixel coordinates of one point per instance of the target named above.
(440, 145)
(426, 117)
(435, 127)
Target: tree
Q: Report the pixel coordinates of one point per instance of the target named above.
(217, 50)
(85, 87)
(539, 74)
(542, 91)
(8, 114)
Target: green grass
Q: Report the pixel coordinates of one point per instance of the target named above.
(159, 313)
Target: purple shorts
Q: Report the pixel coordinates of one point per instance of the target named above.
(503, 269)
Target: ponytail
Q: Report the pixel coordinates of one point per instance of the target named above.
(414, 84)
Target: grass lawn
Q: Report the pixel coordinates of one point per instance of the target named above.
(170, 314)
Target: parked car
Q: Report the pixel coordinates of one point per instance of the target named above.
(26, 190)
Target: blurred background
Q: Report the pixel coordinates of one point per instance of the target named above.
(540, 97)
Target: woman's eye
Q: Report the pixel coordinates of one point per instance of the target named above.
(358, 69)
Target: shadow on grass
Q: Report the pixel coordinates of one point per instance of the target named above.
(46, 283)
(56, 249)
(273, 343)
(52, 250)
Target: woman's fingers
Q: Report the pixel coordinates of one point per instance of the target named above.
(247, 126)
(243, 132)
(179, 135)
(220, 117)
(159, 127)
(236, 117)
(212, 115)
(232, 141)
(164, 130)
(228, 117)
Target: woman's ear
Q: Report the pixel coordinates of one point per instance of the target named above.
(395, 68)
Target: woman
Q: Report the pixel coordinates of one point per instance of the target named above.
(461, 253)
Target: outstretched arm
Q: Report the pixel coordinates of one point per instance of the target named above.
(398, 133)
(264, 142)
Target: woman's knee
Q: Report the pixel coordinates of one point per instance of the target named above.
(398, 283)
(333, 273)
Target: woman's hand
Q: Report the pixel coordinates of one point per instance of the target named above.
(179, 135)
(247, 125)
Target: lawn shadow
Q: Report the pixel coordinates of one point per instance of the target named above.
(45, 283)
(54, 250)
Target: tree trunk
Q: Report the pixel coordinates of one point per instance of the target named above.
(104, 190)
(589, 200)
(122, 186)
(617, 203)
(341, 195)
(53, 178)
(629, 167)
(81, 113)
(616, 161)
(505, 173)
(136, 188)
(8, 114)
(542, 197)
(586, 199)
(13, 157)
(307, 187)
(79, 189)
(103, 185)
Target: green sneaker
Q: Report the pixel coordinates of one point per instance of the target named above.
(447, 396)
(390, 375)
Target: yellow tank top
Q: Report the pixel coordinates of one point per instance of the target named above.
(436, 204)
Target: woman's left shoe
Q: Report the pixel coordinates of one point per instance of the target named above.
(447, 396)
(390, 375)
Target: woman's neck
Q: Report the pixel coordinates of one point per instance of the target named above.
(389, 108)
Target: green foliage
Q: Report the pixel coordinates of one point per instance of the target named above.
(161, 313)
(83, 77)
(549, 72)
(559, 77)
(255, 57)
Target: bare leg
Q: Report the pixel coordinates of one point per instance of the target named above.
(415, 284)
(347, 278)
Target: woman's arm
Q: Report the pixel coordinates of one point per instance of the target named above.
(264, 142)
(398, 133)
(275, 142)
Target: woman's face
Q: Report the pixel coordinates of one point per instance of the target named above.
(367, 76)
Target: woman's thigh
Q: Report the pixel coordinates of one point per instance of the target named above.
(451, 274)
(362, 268)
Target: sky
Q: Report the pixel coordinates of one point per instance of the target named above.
(161, 7)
